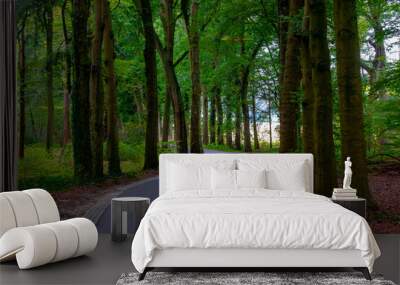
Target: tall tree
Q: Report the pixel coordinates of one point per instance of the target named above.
(213, 112)
(244, 83)
(67, 80)
(350, 98)
(191, 19)
(288, 105)
(228, 125)
(308, 98)
(220, 116)
(238, 119)
(254, 111)
(325, 165)
(168, 20)
(96, 92)
(374, 13)
(270, 120)
(205, 119)
(48, 21)
(80, 92)
(283, 14)
(21, 39)
(166, 115)
(151, 142)
(114, 164)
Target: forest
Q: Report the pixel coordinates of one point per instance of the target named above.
(105, 86)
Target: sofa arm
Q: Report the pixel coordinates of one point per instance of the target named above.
(41, 244)
(32, 246)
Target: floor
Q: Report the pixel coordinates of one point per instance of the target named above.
(111, 259)
(103, 266)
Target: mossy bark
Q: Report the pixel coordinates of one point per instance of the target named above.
(80, 93)
(166, 116)
(324, 149)
(96, 92)
(205, 119)
(151, 140)
(114, 164)
(49, 74)
(288, 105)
(192, 28)
(308, 98)
(213, 112)
(67, 80)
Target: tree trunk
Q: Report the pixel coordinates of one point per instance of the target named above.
(228, 133)
(255, 133)
(220, 116)
(192, 29)
(97, 95)
(151, 156)
(114, 167)
(288, 105)
(67, 80)
(308, 98)
(140, 108)
(238, 122)
(205, 119)
(80, 93)
(375, 12)
(324, 149)
(166, 117)
(49, 73)
(270, 120)
(283, 14)
(22, 87)
(213, 113)
(350, 98)
(166, 54)
(244, 83)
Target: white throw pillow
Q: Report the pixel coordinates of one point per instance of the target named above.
(223, 179)
(281, 174)
(251, 179)
(291, 177)
(182, 177)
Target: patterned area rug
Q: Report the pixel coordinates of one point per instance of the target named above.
(269, 278)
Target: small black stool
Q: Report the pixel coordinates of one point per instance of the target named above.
(126, 214)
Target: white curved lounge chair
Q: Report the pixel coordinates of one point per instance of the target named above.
(32, 233)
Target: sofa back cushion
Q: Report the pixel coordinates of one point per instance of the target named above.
(26, 208)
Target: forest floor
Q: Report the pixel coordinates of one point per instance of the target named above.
(384, 181)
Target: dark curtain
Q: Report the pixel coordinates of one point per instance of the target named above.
(8, 126)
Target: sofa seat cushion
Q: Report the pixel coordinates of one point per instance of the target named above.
(37, 245)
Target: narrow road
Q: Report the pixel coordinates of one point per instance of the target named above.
(146, 188)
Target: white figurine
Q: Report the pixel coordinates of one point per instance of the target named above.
(347, 174)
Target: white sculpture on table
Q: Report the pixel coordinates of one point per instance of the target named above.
(347, 174)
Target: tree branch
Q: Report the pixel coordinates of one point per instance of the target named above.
(182, 57)
(366, 67)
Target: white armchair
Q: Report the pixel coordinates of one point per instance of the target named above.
(31, 231)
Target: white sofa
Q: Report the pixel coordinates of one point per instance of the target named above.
(31, 231)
